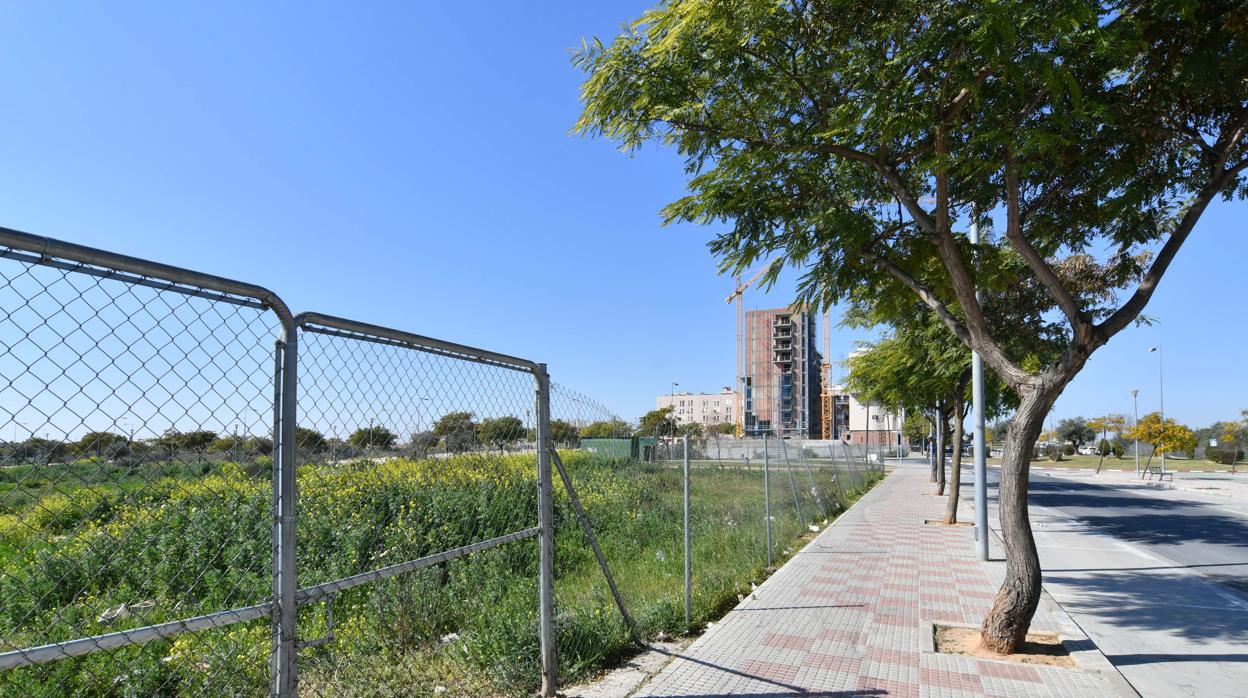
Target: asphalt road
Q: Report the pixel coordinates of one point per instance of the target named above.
(1158, 578)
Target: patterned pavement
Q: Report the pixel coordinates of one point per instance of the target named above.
(843, 617)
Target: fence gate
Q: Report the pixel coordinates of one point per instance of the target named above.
(136, 417)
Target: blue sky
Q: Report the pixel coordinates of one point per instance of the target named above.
(410, 164)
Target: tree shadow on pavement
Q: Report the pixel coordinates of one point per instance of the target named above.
(1185, 605)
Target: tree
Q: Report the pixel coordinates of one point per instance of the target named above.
(1100, 132)
(996, 431)
(173, 441)
(721, 429)
(500, 431)
(693, 430)
(457, 430)
(310, 440)
(422, 442)
(606, 429)
(564, 433)
(1106, 424)
(101, 444)
(198, 440)
(657, 423)
(372, 438)
(1165, 436)
(1075, 430)
(916, 427)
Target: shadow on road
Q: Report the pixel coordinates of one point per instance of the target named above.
(1182, 605)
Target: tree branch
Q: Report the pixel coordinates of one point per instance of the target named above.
(991, 352)
(1219, 179)
(1048, 278)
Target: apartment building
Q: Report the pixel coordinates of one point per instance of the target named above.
(781, 373)
(706, 409)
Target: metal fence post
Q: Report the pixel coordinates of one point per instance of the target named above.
(546, 539)
(767, 497)
(688, 546)
(283, 670)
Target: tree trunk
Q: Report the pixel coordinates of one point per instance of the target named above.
(955, 468)
(1005, 626)
(940, 457)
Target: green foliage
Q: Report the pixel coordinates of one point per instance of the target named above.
(721, 429)
(422, 442)
(1104, 447)
(500, 431)
(203, 543)
(1076, 431)
(310, 440)
(1225, 455)
(373, 437)
(457, 430)
(692, 430)
(102, 444)
(657, 422)
(606, 429)
(563, 433)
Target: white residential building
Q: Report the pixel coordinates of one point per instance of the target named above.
(706, 409)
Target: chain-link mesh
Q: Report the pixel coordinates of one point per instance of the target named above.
(135, 482)
(405, 453)
(138, 507)
(632, 486)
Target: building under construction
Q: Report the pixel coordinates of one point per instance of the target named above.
(780, 378)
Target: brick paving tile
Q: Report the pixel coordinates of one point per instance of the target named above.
(848, 624)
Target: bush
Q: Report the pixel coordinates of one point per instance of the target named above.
(1068, 449)
(1054, 452)
(1224, 456)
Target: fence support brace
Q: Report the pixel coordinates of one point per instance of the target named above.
(588, 528)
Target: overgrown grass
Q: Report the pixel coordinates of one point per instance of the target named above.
(195, 543)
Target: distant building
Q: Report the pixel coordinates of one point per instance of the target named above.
(781, 381)
(706, 409)
(859, 423)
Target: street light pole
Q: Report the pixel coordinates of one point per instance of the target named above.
(1161, 398)
(1135, 413)
(977, 433)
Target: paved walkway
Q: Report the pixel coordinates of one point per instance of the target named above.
(843, 617)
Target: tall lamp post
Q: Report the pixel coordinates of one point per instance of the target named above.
(977, 431)
(1161, 397)
(1135, 413)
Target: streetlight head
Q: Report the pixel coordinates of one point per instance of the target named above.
(1135, 393)
(1152, 349)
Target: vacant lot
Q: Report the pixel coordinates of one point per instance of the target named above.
(79, 542)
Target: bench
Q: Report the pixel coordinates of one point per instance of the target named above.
(1151, 470)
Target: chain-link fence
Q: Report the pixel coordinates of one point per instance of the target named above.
(136, 476)
(683, 543)
(203, 494)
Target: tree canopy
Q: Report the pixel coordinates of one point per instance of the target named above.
(657, 422)
(1164, 435)
(1075, 430)
(372, 437)
(500, 431)
(606, 429)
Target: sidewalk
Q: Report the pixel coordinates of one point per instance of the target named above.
(843, 617)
